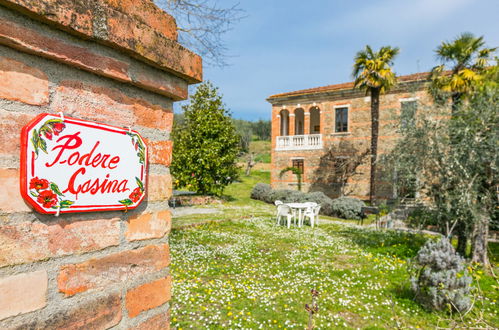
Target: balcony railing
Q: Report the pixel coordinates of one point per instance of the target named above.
(299, 142)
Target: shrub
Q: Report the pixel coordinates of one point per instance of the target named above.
(422, 217)
(344, 207)
(260, 191)
(296, 197)
(347, 207)
(441, 279)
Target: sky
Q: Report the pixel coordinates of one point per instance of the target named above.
(287, 45)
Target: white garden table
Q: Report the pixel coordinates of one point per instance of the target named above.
(300, 207)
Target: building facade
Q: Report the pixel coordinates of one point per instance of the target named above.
(326, 132)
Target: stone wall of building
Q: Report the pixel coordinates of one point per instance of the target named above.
(116, 62)
(352, 145)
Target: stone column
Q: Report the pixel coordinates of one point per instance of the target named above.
(104, 61)
(306, 122)
(292, 123)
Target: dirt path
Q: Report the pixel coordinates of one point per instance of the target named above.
(186, 210)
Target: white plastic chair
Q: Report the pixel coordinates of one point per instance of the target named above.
(277, 203)
(284, 210)
(312, 213)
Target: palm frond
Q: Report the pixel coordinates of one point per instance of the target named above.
(467, 58)
(372, 68)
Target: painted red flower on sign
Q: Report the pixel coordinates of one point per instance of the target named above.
(47, 198)
(46, 193)
(58, 128)
(38, 184)
(48, 129)
(135, 195)
(48, 134)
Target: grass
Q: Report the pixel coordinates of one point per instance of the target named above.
(261, 149)
(238, 203)
(246, 272)
(252, 274)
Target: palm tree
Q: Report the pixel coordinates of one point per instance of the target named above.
(468, 58)
(372, 72)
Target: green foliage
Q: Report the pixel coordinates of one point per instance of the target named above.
(454, 161)
(224, 271)
(261, 191)
(344, 207)
(468, 59)
(252, 131)
(295, 171)
(372, 69)
(347, 207)
(261, 151)
(206, 145)
(441, 281)
(422, 217)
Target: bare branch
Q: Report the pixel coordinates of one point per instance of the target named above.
(202, 25)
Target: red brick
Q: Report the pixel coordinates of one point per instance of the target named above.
(23, 293)
(32, 41)
(160, 152)
(108, 105)
(10, 126)
(31, 241)
(23, 243)
(148, 13)
(23, 83)
(148, 296)
(148, 225)
(122, 31)
(114, 268)
(71, 14)
(161, 82)
(158, 322)
(153, 116)
(11, 200)
(159, 187)
(152, 46)
(68, 237)
(94, 313)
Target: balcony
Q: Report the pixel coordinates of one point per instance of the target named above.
(299, 142)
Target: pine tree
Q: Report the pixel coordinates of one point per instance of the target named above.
(206, 145)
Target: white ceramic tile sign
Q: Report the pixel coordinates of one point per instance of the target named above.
(72, 165)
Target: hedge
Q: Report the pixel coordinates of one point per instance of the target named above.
(343, 207)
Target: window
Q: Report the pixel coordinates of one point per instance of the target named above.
(341, 118)
(407, 113)
(298, 163)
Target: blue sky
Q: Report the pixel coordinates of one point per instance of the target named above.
(286, 45)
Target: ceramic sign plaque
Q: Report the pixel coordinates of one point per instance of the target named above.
(72, 165)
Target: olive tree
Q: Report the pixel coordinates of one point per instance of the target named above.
(452, 161)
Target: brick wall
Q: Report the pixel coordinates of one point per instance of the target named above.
(354, 142)
(116, 62)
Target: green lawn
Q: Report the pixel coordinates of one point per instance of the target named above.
(261, 150)
(246, 272)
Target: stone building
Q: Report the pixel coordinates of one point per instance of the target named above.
(107, 61)
(326, 132)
